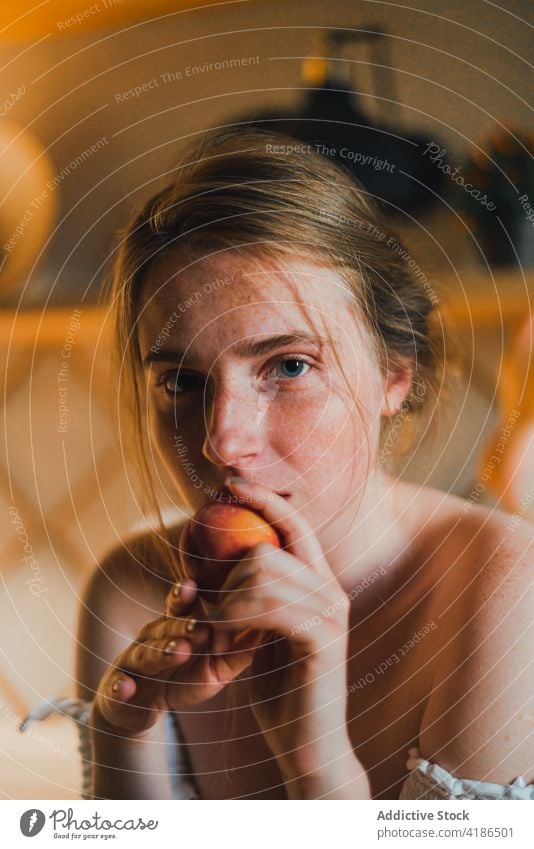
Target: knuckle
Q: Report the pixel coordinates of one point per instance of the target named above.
(138, 652)
(150, 628)
(273, 604)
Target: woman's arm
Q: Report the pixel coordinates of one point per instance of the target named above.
(111, 615)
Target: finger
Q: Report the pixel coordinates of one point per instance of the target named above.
(261, 587)
(265, 566)
(288, 598)
(201, 681)
(120, 687)
(126, 687)
(189, 628)
(297, 536)
(181, 597)
(166, 628)
(303, 624)
(126, 704)
(158, 656)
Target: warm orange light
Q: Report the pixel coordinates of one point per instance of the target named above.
(28, 207)
(26, 20)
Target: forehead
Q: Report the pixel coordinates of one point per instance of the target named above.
(231, 295)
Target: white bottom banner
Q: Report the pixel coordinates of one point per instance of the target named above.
(268, 824)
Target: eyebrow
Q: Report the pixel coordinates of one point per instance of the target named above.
(245, 349)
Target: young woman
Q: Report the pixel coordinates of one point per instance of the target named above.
(273, 342)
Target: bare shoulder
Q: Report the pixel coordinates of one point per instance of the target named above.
(125, 591)
(480, 714)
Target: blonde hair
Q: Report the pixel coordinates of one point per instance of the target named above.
(253, 189)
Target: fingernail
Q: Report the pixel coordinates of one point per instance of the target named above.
(169, 648)
(190, 625)
(176, 590)
(116, 685)
(237, 481)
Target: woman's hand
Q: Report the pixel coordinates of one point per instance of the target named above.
(298, 674)
(168, 666)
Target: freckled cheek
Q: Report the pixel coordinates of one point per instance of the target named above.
(311, 424)
(291, 419)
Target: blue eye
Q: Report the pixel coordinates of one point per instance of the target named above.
(292, 367)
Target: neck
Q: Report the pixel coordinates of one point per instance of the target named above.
(367, 543)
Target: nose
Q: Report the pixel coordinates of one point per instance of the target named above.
(234, 426)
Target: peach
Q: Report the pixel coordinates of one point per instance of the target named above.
(216, 538)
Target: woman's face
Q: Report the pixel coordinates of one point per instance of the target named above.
(225, 396)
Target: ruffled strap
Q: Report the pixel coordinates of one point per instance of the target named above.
(78, 710)
(431, 781)
(180, 771)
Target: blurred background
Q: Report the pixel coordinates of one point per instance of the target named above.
(426, 103)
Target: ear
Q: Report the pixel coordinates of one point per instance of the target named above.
(397, 386)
